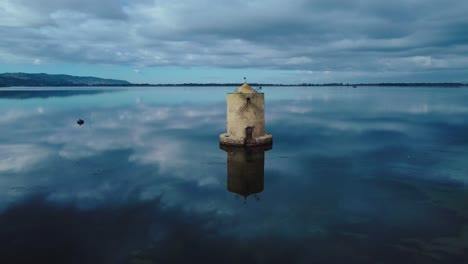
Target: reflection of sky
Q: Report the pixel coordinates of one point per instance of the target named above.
(342, 159)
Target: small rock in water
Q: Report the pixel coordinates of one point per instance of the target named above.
(80, 122)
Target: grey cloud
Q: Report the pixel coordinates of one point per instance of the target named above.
(106, 9)
(337, 36)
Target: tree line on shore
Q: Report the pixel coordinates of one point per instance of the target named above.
(61, 80)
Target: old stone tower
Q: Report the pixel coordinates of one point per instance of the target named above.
(245, 119)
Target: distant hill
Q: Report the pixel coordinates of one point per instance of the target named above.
(43, 79)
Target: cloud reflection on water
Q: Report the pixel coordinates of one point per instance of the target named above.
(340, 158)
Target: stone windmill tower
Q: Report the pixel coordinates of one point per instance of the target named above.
(245, 119)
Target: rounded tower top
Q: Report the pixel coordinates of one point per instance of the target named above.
(245, 88)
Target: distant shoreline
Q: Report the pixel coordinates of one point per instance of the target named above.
(356, 85)
(20, 79)
(314, 84)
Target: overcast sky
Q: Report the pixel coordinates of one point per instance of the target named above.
(292, 41)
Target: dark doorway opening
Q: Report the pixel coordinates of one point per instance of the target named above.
(248, 134)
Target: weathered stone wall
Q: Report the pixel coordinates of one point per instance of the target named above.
(239, 116)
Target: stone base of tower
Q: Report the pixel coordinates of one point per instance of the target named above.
(232, 148)
(228, 140)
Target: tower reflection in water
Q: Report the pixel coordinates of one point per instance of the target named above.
(245, 170)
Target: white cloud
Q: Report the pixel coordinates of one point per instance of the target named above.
(321, 36)
(12, 114)
(20, 157)
(13, 14)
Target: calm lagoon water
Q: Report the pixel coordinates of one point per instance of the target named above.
(367, 175)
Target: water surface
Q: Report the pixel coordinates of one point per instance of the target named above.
(367, 175)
